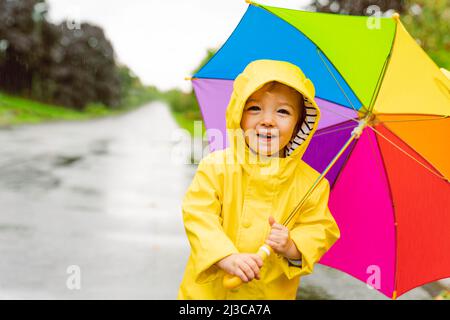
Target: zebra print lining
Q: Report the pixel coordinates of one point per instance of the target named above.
(305, 128)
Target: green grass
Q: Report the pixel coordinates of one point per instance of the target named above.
(15, 110)
(189, 124)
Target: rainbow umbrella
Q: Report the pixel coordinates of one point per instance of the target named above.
(390, 190)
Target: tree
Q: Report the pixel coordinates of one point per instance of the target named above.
(20, 43)
(357, 7)
(67, 64)
(81, 68)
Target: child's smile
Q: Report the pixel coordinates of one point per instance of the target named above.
(267, 135)
(269, 118)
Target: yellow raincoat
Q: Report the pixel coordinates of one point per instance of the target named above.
(226, 207)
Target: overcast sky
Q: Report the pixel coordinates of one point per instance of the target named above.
(162, 41)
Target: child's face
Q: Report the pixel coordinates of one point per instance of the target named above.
(272, 110)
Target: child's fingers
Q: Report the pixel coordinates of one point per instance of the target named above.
(279, 238)
(273, 244)
(274, 224)
(271, 220)
(279, 233)
(274, 233)
(276, 236)
(253, 265)
(278, 226)
(238, 272)
(257, 258)
(248, 271)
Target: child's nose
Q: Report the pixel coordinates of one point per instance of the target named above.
(267, 120)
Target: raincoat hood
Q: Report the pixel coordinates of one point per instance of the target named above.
(255, 76)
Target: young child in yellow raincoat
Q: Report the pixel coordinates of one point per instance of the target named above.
(240, 195)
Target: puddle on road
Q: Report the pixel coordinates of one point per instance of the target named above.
(14, 228)
(66, 161)
(26, 177)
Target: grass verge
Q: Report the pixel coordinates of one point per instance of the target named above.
(16, 110)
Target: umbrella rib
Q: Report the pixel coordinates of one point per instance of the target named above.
(355, 135)
(337, 82)
(318, 134)
(412, 120)
(385, 177)
(339, 114)
(394, 216)
(382, 168)
(382, 73)
(378, 84)
(406, 153)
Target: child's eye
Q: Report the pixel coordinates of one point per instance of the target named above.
(253, 108)
(284, 111)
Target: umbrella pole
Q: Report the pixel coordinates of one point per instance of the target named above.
(356, 133)
(232, 281)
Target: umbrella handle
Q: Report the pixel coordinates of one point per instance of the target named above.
(231, 281)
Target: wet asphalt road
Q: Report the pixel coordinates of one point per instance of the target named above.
(100, 195)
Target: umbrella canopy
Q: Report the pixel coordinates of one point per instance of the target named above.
(390, 190)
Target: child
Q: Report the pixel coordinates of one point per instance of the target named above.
(240, 195)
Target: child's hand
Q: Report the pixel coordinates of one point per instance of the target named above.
(244, 265)
(280, 241)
